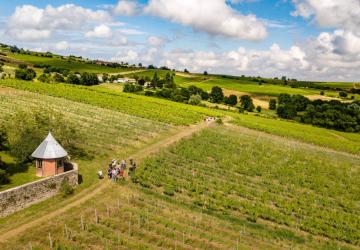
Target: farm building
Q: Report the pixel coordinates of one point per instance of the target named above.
(50, 157)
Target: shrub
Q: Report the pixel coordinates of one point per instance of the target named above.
(4, 177)
(343, 94)
(195, 100)
(25, 74)
(272, 104)
(65, 188)
(258, 109)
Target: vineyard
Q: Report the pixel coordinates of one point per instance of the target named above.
(347, 142)
(271, 181)
(104, 133)
(141, 106)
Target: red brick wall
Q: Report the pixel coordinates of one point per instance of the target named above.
(49, 167)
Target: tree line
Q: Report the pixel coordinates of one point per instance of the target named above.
(328, 114)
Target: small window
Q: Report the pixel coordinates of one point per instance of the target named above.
(39, 163)
(59, 164)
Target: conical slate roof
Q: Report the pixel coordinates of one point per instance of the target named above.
(49, 149)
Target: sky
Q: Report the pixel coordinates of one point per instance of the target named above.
(302, 39)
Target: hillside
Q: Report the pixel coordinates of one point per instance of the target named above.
(250, 180)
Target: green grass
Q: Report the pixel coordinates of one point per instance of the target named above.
(105, 134)
(73, 65)
(19, 174)
(141, 106)
(273, 181)
(250, 87)
(341, 141)
(340, 85)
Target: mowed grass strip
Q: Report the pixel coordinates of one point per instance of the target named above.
(141, 106)
(270, 181)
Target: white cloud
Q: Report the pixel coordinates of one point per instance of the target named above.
(31, 23)
(214, 17)
(63, 45)
(127, 8)
(156, 41)
(101, 31)
(342, 14)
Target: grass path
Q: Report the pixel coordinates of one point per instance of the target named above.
(89, 193)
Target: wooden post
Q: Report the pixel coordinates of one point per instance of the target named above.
(96, 217)
(237, 244)
(82, 223)
(66, 232)
(129, 228)
(50, 241)
(183, 239)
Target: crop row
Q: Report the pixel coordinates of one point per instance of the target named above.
(141, 106)
(241, 174)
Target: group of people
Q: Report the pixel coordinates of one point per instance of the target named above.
(117, 171)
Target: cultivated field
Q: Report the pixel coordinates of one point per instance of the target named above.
(277, 183)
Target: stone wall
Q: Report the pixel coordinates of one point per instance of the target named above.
(20, 197)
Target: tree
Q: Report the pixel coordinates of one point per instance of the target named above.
(26, 130)
(25, 73)
(272, 104)
(343, 94)
(73, 79)
(186, 71)
(246, 103)
(286, 111)
(105, 77)
(195, 100)
(89, 79)
(58, 78)
(284, 99)
(205, 73)
(154, 80)
(216, 95)
(231, 100)
(258, 109)
(169, 81)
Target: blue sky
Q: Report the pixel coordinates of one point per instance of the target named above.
(270, 38)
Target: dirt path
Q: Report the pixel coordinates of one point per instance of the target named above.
(89, 193)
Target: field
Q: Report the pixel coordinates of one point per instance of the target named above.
(58, 61)
(146, 107)
(272, 181)
(105, 133)
(252, 183)
(346, 142)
